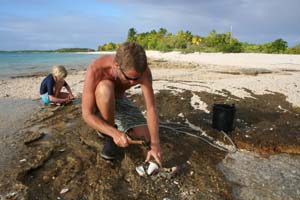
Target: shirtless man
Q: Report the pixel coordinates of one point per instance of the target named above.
(106, 81)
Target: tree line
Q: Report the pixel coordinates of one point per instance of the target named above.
(186, 42)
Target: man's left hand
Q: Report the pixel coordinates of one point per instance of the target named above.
(155, 152)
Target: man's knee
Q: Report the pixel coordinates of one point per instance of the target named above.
(105, 90)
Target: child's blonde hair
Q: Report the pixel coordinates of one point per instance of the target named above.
(59, 71)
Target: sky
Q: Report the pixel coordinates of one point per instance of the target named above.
(53, 24)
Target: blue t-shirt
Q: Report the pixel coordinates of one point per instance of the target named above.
(48, 84)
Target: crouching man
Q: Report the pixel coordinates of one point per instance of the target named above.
(106, 81)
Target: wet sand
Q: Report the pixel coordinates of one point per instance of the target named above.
(14, 113)
(56, 150)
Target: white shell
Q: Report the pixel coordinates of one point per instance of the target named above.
(140, 170)
(65, 190)
(152, 167)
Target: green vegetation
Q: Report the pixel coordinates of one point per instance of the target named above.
(186, 42)
(278, 46)
(294, 50)
(108, 47)
(74, 50)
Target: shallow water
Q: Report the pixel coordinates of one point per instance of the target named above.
(28, 63)
(14, 113)
(255, 177)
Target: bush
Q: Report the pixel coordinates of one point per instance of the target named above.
(293, 50)
(108, 47)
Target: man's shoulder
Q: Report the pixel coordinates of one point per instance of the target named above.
(103, 61)
(106, 58)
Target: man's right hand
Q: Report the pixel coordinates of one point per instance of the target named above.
(121, 140)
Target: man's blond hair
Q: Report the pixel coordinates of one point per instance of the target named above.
(59, 71)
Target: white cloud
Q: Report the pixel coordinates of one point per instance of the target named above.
(90, 23)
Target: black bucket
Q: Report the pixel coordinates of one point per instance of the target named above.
(223, 116)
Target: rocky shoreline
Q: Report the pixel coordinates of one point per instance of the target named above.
(57, 154)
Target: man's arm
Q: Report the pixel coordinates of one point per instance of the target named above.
(152, 117)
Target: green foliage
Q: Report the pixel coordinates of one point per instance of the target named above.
(131, 37)
(251, 48)
(222, 42)
(186, 42)
(108, 47)
(183, 39)
(64, 50)
(277, 46)
(294, 50)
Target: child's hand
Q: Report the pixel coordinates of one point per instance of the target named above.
(71, 96)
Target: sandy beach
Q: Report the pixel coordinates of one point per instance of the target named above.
(260, 73)
(53, 148)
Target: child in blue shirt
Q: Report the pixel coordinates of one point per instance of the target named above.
(51, 86)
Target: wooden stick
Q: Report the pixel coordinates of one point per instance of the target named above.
(139, 142)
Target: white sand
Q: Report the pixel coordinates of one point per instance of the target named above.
(249, 60)
(210, 74)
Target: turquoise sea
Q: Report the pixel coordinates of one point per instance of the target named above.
(12, 64)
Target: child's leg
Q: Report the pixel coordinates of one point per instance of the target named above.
(57, 90)
(57, 87)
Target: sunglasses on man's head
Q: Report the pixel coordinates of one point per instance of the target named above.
(129, 78)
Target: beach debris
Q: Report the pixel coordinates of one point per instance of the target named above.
(149, 168)
(11, 195)
(65, 190)
(176, 170)
(152, 168)
(23, 160)
(140, 170)
(46, 178)
(181, 115)
(55, 104)
(284, 110)
(33, 136)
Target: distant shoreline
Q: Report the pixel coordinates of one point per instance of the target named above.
(260, 73)
(114, 51)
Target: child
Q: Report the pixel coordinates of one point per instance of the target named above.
(53, 83)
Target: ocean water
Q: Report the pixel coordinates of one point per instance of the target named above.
(12, 64)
